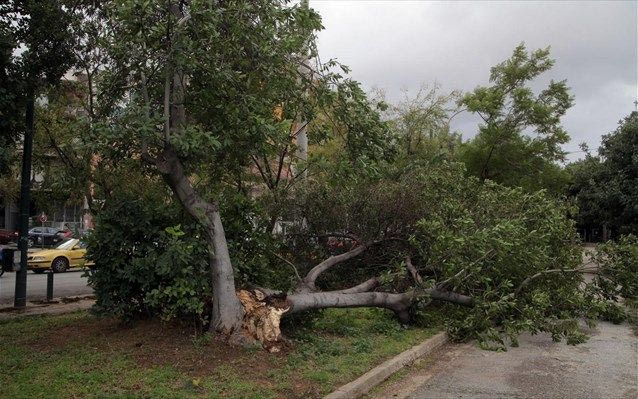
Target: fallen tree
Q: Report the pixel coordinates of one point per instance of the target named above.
(499, 261)
(188, 99)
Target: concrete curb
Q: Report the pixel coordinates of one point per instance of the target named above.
(377, 375)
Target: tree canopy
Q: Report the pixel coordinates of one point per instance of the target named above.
(35, 51)
(519, 139)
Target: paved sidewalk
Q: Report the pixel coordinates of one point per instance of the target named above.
(604, 367)
(57, 306)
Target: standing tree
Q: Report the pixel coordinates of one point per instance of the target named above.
(605, 187)
(422, 123)
(519, 140)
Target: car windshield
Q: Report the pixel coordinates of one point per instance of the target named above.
(67, 244)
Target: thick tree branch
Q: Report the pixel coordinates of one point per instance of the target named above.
(413, 271)
(311, 277)
(399, 303)
(321, 300)
(366, 286)
(449, 296)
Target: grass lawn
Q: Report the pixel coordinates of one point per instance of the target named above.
(80, 356)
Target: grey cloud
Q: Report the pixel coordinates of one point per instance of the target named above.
(398, 45)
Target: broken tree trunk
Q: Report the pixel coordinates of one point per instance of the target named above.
(264, 308)
(262, 315)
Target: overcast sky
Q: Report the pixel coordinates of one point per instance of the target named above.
(398, 45)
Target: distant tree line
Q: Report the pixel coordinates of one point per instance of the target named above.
(605, 186)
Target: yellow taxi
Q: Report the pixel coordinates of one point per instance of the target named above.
(59, 259)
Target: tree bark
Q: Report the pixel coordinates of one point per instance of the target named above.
(300, 302)
(399, 303)
(308, 282)
(366, 286)
(227, 311)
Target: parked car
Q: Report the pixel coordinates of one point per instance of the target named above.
(7, 236)
(69, 254)
(45, 237)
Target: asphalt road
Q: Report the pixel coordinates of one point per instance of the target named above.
(69, 283)
(604, 367)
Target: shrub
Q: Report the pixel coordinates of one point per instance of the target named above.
(146, 262)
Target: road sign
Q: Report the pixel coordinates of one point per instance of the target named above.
(42, 218)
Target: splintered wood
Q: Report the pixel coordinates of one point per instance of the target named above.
(262, 316)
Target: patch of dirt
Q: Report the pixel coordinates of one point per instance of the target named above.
(154, 343)
(302, 388)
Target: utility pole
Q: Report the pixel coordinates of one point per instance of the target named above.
(20, 298)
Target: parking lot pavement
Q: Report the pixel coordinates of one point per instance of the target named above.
(64, 284)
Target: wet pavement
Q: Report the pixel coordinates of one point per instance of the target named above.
(606, 366)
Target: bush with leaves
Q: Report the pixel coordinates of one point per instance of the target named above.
(605, 186)
(146, 263)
